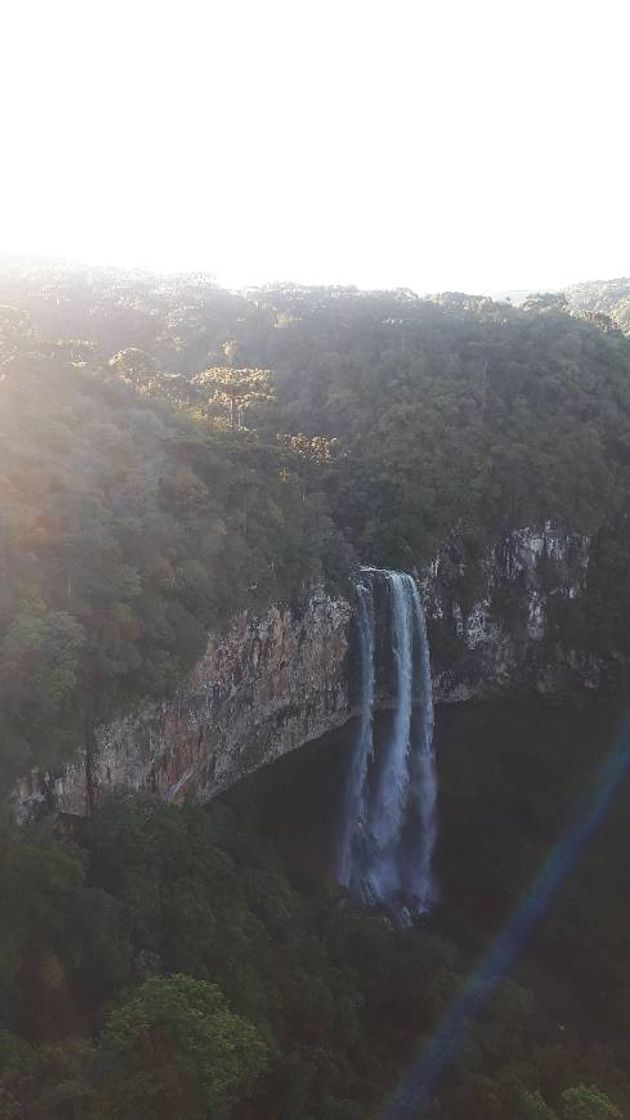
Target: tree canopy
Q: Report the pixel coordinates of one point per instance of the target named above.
(172, 452)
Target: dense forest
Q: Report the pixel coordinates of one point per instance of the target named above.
(128, 528)
(606, 300)
(162, 962)
(172, 452)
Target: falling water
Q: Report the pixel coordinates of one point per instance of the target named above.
(389, 803)
(354, 838)
(424, 775)
(390, 820)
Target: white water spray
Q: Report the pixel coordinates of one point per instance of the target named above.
(390, 822)
(390, 801)
(354, 836)
(424, 787)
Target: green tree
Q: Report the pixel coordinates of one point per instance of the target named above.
(532, 1106)
(587, 1102)
(232, 391)
(175, 1049)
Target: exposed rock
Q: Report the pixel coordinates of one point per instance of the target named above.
(275, 681)
(269, 684)
(499, 643)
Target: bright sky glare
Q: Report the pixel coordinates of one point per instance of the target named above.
(454, 144)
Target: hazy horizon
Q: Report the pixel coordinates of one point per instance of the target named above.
(475, 149)
(19, 261)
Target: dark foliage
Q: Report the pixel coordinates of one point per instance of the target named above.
(171, 453)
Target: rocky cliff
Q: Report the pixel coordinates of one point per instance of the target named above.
(491, 620)
(275, 681)
(267, 685)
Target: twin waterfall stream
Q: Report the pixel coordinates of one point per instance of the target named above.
(390, 825)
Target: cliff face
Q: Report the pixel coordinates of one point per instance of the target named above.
(266, 686)
(276, 681)
(491, 621)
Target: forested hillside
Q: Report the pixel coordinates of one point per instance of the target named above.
(172, 452)
(444, 410)
(127, 529)
(601, 300)
(158, 962)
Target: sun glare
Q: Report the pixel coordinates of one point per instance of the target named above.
(435, 146)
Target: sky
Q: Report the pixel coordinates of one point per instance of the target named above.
(468, 145)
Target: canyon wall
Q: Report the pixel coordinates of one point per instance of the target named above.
(272, 682)
(269, 684)
(496, 622)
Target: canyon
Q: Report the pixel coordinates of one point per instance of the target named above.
(271, 682)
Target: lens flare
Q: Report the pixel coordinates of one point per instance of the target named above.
(412, 1095)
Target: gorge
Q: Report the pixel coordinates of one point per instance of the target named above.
(273, 567)
(270, 682)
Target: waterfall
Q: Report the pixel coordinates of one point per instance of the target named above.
(390, 823)
(389, 804)
(424, 774)
(354, 839)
